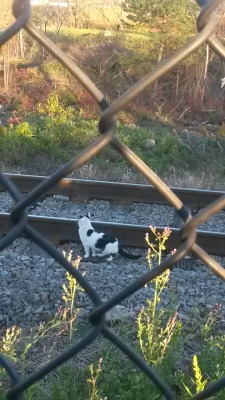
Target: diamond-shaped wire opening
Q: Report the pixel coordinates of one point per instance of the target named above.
(107, 126)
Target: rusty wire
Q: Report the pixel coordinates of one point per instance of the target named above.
(206, 24)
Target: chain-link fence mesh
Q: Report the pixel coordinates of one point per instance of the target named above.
(206, 24)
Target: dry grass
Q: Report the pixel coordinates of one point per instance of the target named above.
(198, 180)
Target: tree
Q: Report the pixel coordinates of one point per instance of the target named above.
(6, 13)
(172, 19)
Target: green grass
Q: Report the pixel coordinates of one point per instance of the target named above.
(119, 379)
(187, 357)
(58, 131)
(60, 137)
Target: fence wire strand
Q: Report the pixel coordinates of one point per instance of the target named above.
(206, 23)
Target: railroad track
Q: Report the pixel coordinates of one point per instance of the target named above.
(63, 229)
(79, 190)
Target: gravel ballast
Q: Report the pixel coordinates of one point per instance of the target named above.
(31, 281)
(136, 213)
(31, 285)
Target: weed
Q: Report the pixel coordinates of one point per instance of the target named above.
(158, 329)
(24, 129)
(156, 250)
(69, 294)
(221, 130)
(198, 381)
(9, 344)
(92, 381)
(53, 108)
(16, 146)
(159, 338)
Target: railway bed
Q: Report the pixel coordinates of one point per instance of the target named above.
(120, 196)
(121, 193)
(22, 265)
(65, 230)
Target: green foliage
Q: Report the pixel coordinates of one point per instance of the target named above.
(24, 129)
(208, 364)
(56, 70)
(113, 376)
(167, 152)
(62, 134)
(158, 327)
(200, 382)
(221, 130)
(69, 383)
(57, 133)
(67, 97)
(15, 148)
(56, 137)
(53, 108)
(121, 379)
(9, 343)
(92, 381)
(173, 20)
(69, 294)
(156, 250)
(137, 11)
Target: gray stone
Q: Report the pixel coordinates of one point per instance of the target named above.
(44, 297)
(182, 316)
(25, 258)
(191, 302)
(82, 294)
(28, 310)
(4, 273)
(10, 313)
(149, 144)
(181, 289)
(119, 313)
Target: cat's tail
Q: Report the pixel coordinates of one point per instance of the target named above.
(124, 254)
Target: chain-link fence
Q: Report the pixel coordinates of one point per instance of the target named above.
(206, 24)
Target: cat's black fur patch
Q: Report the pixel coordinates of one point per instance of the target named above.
(89, 232)
(109, 239)
(102, 242)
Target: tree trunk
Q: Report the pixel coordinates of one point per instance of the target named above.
(205, 75)
(21, 44)
(159, 59)
(6, 67)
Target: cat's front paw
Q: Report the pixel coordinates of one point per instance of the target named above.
(86, 255)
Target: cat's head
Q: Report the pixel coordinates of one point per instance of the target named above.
(84, 219)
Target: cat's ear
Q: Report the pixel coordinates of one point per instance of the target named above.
(88, 215)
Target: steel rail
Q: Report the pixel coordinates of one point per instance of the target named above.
(78, 190)
(63, 229)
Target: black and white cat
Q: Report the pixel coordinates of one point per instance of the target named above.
(100, 243)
